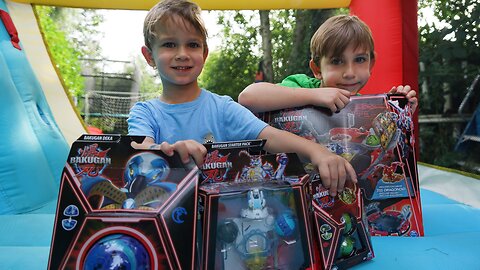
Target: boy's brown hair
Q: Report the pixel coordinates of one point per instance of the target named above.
(167, 9)
(337, 33)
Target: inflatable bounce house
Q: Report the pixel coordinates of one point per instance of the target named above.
(38, 124)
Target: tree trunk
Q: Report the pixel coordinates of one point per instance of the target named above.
(298, 59)
(306, 24)
(266, 34)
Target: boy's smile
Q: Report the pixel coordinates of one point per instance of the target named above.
(349, 71)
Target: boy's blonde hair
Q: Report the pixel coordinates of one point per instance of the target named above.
(167, 9)
(337, 33)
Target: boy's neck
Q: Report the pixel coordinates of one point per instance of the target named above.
(180, 94)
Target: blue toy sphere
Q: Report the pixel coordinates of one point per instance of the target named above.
(285, 224)
(117, 252)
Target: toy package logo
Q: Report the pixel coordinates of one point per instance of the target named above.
(291, 120)
(91, 160)
(216, 167)
(296, 122)
(322, 197)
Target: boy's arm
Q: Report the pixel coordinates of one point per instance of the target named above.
(334, 170)
(408, 92)
(262, 97)
(186, 149)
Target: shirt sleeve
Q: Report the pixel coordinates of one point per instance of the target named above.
(241, 123)
(301, 80)
(141, 120)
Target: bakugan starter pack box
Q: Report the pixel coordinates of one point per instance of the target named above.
(123, 208)
(254, 209)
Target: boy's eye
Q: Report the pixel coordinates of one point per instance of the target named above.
(361, 59)
(168, 45)
(336, 61)
(194, 45)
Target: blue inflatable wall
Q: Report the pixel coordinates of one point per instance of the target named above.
(32, 148)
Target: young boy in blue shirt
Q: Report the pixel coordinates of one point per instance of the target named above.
(342, 58)
(185, 116)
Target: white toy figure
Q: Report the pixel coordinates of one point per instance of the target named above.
(250, 240)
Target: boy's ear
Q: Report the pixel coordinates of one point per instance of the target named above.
(205, 54)
(147, 53)
(315, 69)
(372, 61)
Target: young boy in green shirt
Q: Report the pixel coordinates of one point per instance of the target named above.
(342, 58)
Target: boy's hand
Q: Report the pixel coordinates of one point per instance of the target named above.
(408, 92)
(334, 99)
(186, 149)
(333, 169)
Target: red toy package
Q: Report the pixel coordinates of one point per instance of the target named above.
(375, 134)
(340, 228)
(122, 208)
(254, 208)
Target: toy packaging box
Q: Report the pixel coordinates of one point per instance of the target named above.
(123, 208)
(341, 231)
(254, 209)
(375, 134)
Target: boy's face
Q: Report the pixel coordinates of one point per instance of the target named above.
(178, 52)
(349, 71)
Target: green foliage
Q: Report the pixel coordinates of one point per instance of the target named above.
(225, 74)
(282, 23)
(71, 34)
(231, 69)
(450, 51)
(150, 84)
(63, 53)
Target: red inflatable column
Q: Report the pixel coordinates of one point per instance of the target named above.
(395, 32)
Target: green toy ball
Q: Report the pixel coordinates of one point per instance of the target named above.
(372, 140)
(347, 220)
(347, 247)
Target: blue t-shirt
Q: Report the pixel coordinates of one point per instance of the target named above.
(209, 118)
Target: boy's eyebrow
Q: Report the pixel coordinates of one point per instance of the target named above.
(366, 54)
(175, 37)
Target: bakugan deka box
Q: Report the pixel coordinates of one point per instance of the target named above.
(123, 208)
(254, 209)
(374, 133)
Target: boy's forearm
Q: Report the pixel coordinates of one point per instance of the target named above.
(262, 97)
(333, 169)
(279, 141)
